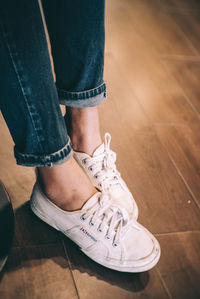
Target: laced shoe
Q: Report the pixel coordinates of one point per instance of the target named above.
(103, 231)
(103, 173)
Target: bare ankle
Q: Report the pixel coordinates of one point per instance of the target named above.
(66, 185)
(83, 128)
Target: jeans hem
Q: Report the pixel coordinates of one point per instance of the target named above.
(87, 98)
(40, 160)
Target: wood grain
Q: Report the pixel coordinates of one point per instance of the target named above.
(154, 88)
(183, 143)
(159, 29)
(179, 265)
(189, 23)
(164, 202)
(94, 281)
(187, 74)
(37, 272)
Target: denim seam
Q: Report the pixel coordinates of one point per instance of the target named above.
(24, 89)
(81, 95)
(49, 160)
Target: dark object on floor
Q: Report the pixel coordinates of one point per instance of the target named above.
(6, 225)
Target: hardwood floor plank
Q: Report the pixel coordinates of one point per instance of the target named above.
(165, 203)
(159, 29)
(180, 264)
(121, 108)
(183, 143)
(37, 272)
(182, 4)
(187, 74)
(150, 83)
(189, 23)
(94, 281)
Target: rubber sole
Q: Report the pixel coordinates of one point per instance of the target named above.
(131, 269)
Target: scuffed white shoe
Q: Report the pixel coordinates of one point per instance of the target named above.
(103, 231)
(102, 171)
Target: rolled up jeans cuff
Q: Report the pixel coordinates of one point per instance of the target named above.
(87, 98)
(40, 160)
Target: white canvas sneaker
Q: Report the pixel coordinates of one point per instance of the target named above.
(102, 171)
(103, 231)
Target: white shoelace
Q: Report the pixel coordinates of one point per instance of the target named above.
(103, 166)
(112, 218)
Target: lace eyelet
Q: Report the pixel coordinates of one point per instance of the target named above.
(84, 161)
(100, 185)
(115, 244)
(91, 223)
(107, 237)
(90, 168)
(99, 230)
(96, 176)
(82, 218)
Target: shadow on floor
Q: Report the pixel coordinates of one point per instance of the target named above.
(75, 260)
(133, 282)
(6, 225)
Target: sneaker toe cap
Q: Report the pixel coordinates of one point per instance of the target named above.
(138, 245)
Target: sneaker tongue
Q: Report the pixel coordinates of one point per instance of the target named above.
(91, 201)
(99, 150)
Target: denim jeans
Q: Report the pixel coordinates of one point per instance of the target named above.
(30, 99)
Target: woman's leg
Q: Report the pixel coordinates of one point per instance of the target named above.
(30, 105)
(29, 101)
(77, 34)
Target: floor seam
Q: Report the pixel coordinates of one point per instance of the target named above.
(177, 232)
(181, 90)
(181, 177)
(187, 58)
(70, 266)
(36, 245)
(164, 284)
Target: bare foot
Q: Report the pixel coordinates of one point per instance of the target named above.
(83, 128)
(66, 185)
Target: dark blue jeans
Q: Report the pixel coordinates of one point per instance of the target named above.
(30, 99)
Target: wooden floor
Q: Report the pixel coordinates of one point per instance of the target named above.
(152, 70)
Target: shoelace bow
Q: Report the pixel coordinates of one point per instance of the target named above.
(103, 166)
(112, 218)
